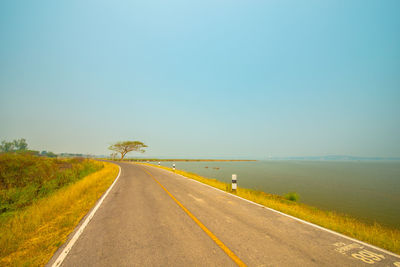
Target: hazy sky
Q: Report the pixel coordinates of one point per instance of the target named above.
(233, 79)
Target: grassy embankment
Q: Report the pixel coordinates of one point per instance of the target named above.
(42, 200)
(375, 234)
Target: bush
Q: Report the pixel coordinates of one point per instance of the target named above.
(25, 177)
(292, 196)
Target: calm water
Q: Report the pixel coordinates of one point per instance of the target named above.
(367, 190)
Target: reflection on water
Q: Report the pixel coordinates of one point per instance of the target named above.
(366, 190)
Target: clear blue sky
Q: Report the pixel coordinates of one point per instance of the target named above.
(233, 79)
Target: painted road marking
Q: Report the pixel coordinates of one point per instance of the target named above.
(397, 264)
(232, 255)
(196, 198)
(359, 252)
(368, 256)
(73, 240)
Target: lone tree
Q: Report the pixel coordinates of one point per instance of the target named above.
(127, 146)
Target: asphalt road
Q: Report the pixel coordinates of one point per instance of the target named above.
(140, 224)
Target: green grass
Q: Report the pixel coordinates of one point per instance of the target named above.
(292, 196)
(31, 235)
(25, 178)
(374, 233)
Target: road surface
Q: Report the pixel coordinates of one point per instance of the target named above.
(152, 217)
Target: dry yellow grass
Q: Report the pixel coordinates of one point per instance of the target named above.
(32, 236)
(375, 234)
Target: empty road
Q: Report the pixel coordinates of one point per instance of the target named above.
(153, 217)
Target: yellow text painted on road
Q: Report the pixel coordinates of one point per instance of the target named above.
(202, 226)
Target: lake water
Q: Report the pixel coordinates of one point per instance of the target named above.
(369, 190)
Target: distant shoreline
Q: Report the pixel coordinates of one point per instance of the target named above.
(197, 160)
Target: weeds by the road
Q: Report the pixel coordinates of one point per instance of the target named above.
(375, 234)
(31, 235)
(292, 196)
(25, 178)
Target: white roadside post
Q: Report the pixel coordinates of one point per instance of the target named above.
(234, 183)
(173, 166)
(159, 163)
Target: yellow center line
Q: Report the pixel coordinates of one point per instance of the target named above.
(205, 229)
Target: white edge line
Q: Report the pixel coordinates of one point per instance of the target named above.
(290, 216)
(68, 248)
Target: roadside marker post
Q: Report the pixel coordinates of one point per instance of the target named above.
(234, 183)
(159, 163)
(173, 166)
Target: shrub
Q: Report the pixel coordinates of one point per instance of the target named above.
(25, 177)
(292, 196)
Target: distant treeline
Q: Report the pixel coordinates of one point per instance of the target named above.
(21, 146)
(72, 155)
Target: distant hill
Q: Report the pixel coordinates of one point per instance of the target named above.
(337, 158)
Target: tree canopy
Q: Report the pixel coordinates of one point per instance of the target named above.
(15, 145)
(125, 147)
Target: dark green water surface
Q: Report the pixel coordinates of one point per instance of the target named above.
(369, 190)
